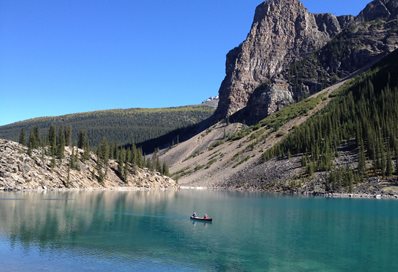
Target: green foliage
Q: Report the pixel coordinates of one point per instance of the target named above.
(118, 126)
(22, 137)
(68, 136)
(33, 142)
(241, 133)
(52, 139)
(165, 169)
(389, 167)
(102, 160)
(278, 119)
(365, 111)
(361, 160)
(61, 143)
(73, 161)
(341, 178)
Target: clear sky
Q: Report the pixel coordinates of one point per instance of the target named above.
(66, 56)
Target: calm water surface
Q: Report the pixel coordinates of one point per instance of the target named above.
(151, 231)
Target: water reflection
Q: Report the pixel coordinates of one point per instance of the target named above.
(250, 231)
(50, 220)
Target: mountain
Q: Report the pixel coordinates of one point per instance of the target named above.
(290, 54)
(308, 105)
(38, 171)
(118, 126)
(341, 139)
(282, 31)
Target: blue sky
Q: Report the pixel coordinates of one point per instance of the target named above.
(66, 56)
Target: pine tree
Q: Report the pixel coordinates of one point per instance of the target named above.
(52, 138)
(22, 137)
(396, 162)
(73, 161)
(134, 155)
(165, 169)
(68, 136)
(140, 158)
(102, 160)
(361, 161)
(158, 165)
(122, 164)
(61, 144)
(36, 137)
(31, 143)
(389, 167)
(82, 141)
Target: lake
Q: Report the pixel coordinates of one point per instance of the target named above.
(151, 231)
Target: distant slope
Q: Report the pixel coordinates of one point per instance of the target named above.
(118, 126)
(343, 139)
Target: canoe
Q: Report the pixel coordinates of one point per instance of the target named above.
(202, 219)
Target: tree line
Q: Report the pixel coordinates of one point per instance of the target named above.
(363, 118)
(53, 144)
(118, 126)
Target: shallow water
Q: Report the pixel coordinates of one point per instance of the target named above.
(151, 231)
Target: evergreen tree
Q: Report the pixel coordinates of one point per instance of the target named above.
(102, 160)
(36, 137)
(73, 161)
(52, 138)
(165, 169)
(22, 137)
(158, 165)
(361, 161)
(396, 162)
(82, 141)
(68, 136)
(140, 158)
(389, 168)
(61, 143)
(134, 155)
(31, 143)
(122, 164)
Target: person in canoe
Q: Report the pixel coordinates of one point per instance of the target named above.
(194, 215)
(205, 216)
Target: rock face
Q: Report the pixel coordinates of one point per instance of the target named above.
(370, 37)
(291, 53)
(18, 171)
(282, 31)
(379, 9)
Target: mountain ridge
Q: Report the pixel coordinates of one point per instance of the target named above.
(120, 126)
(282, 30)
(262, 76)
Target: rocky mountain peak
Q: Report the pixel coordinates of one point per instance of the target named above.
(282, 31)
(380, 9)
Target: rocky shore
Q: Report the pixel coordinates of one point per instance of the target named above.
(38, 172)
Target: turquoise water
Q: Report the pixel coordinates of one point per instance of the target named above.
(151, 231)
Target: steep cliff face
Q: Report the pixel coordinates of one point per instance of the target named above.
(379, 10)
(282, 31)
(291, 53)
(372, 35)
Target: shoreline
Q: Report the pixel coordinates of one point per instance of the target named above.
(204, 188)
(113, 189)
(304, 194)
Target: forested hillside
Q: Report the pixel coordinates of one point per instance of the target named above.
(363, 117)
(342, 139)
(117, 126)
